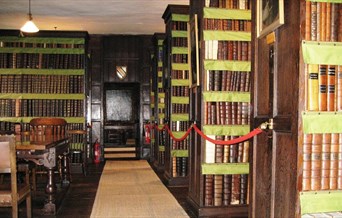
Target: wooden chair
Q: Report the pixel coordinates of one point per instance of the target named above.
(16, 193)
(46, 127)
(78, 150)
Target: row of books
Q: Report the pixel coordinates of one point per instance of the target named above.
(227, 25)
(161, 158)
(235, 81)
(161, 110)
(179, 25)
(179, 74)
(60, 84)
(180, 126)
(179, 42)
(324, 87)
(50, 108)
(17, 128)
(7, 108)
(227, 113)
(6, 44)
(323, 21)
(227, 50)
(41, 61)
(180, 58)
(322, 162)
(180, 91)
(180, 145)
(231, 4)
(179, 166)
(224, 190)
(180, 108)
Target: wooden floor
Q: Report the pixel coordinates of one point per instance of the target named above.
(79, 199)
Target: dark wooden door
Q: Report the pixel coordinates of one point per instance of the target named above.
(275, 97)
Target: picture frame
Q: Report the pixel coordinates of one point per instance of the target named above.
(270, 16)
(193, 56)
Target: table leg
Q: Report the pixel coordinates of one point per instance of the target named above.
(66, 178)
(50, 190)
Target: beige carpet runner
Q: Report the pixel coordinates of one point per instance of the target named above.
(132, 189)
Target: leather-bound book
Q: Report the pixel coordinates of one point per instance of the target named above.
(227, 189)
(334, 19)
(323, 17)
(316, 162)
(339, 27)
(219, 151)
(322, 80)
(236, 189)
(174, 167)
(333, 161)
(218, 190)
(184, 166)
(243, 188)
(208, 193)
(326, 146)
(224, 81)
(307, 20)
(313, 21)
(318, 21)
(226, 151)
(307, 152)
(313, 88)
(328, 22)
(339, 172)
(222, 110)
(339, 88)
(331, 84)
(229, 113)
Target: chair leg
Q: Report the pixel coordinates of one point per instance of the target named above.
(15, 210)
(34, 181)
(28, 206)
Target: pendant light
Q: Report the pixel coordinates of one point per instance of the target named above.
(29, 26)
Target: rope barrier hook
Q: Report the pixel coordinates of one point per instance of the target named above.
(267, 125)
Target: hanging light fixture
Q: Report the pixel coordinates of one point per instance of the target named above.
(29, 26)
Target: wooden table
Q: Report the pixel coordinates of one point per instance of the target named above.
(46, 152)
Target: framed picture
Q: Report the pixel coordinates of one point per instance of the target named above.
(193, 57)
(270, 16)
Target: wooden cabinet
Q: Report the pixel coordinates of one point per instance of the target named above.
(43, 75)
(176, 80)
(159, 99)
(221, 107)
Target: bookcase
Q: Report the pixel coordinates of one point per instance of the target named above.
(159, 96)
(43, 75)
(176, 80)
(221, 107)
(320, 148)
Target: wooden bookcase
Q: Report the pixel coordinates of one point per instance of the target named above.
(159, 97)
(176, 80)
(219, 174)
(320, 148)
(43, 75)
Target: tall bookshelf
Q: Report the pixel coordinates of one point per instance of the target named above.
(320, 147)
(42, 75)
(220, 173)
(160, 137)
(176, 80)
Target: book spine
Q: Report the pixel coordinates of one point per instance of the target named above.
(316, 162)
(333, 161)
(307, 152)
(325, 175)
(313, 87)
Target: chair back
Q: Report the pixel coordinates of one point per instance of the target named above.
(47, 126)
(8, 162)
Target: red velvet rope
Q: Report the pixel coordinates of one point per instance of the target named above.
(255, 132)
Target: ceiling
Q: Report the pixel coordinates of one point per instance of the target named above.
(94, 16)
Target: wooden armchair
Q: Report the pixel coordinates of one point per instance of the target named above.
(45, 127)
(15, 193)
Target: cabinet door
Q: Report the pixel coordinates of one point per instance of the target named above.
(275, 153)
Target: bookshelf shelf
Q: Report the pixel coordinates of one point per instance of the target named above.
(223, 108)
(176, 75)
(43, 76)
(159, 93)
(320, 131)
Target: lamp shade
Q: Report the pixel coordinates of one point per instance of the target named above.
(29, 27)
